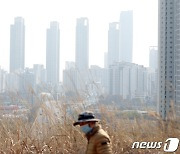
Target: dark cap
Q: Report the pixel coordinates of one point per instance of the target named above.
(86, 116)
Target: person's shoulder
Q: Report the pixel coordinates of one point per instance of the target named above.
(101, 135)
(101, 132)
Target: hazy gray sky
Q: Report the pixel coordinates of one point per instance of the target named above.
(39, 13)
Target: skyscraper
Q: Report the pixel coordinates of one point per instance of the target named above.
(126, 36)
(105, 60)
(177, 58)
(82, 44)
(153, 64)
(52, 53)
(113, 43)
(17, 45)
(169, 57)
(153, 57)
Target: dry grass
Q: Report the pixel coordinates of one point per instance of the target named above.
(20, 136)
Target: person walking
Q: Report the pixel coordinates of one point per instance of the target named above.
(98, 140)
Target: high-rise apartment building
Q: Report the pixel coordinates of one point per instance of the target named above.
(105, 60)
(52, 53)
(80, 81)
(129, 80)
(126, 36)
(113, 43)
(39, 74)
(2, 80)
(177, 59)
(169, 57)
(153, 65)
(75, 80)
(17, 45)
(82, 44)
(153, 57)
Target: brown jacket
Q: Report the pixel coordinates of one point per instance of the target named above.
(98, 141)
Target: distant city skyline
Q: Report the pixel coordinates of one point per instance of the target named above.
(66, 13)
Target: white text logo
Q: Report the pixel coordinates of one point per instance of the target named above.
(170, 145)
